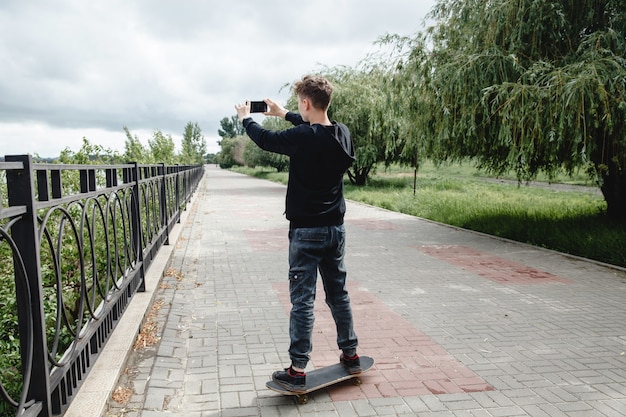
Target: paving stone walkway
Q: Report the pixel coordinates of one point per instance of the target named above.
(460, 323)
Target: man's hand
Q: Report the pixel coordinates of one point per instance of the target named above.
(243, 110)
(275, 109)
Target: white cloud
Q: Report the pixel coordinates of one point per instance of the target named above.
(74, 69)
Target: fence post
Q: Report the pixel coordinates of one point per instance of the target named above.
(163, 202)
(177, 187)
(21, 192)
(137, 234)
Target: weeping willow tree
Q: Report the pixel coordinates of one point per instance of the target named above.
(525, 85)
(359, 101)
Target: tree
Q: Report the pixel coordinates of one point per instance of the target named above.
(162, 148)
(231, 127)
(232, 152)
(193, 145)
(359, 101)
(527, 85)
(89, 154)
(134, 151)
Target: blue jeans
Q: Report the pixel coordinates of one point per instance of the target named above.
(312, 249)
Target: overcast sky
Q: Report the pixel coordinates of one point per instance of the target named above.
(73, 68)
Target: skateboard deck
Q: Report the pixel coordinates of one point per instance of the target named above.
(324, 377)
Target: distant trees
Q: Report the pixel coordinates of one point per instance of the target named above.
(162, 149)
(240, 150)
(231, 153)
(133, 149)
(89, 153)
(230, 127)
(232, 143)
(193, 145)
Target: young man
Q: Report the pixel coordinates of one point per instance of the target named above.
(320, 152)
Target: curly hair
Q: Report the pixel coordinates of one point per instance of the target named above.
(316, 88)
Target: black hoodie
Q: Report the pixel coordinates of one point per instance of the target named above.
(318, 159)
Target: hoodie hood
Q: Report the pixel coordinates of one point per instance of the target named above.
(342, 134)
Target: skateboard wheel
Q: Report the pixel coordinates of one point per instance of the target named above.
(356, 381)
(303, 399)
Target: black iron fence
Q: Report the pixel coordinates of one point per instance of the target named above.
(75, 242)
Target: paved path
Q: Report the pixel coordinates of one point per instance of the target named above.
(460, 324)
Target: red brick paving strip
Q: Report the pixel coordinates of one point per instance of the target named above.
(491, 267)
(408, 363)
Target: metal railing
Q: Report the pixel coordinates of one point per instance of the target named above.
(75, 242)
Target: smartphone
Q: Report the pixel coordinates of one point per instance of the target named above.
(258, 107)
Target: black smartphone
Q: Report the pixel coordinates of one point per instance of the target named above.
(258, 107)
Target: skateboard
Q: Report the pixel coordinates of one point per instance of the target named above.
(324, 377)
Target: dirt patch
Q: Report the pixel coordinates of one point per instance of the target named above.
(148, 335)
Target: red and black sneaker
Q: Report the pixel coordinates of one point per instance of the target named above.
(352, 364)
(293, 381)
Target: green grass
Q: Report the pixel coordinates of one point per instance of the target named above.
(567, 221)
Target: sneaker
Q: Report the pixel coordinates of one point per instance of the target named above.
(353, 364)
(291, 380)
